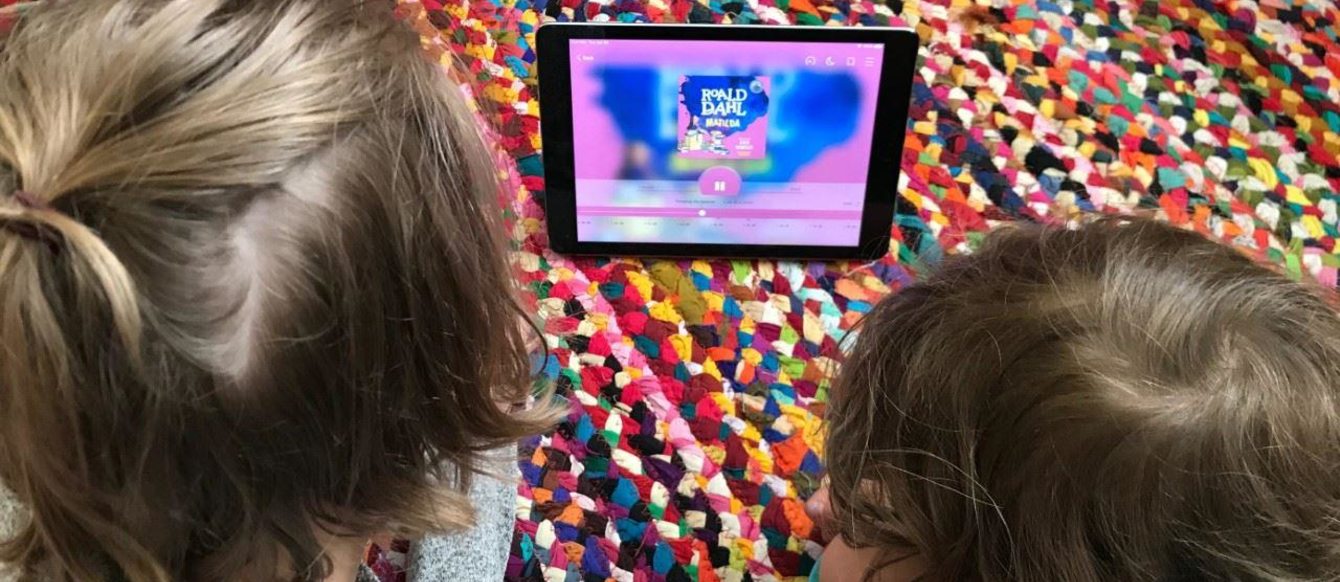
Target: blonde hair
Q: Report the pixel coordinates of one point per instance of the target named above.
(1123, 401)
(252, 282)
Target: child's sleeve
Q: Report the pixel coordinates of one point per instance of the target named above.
(480, 553)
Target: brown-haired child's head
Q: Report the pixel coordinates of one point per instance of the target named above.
(252, 285)
(1124, 401)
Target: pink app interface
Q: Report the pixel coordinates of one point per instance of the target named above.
(742, 142)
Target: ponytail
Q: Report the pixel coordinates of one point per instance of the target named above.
(58, 282)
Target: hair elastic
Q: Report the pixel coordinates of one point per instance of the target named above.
(29, 230)
(30, 201)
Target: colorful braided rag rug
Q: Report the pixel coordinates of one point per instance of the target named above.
(697, 387)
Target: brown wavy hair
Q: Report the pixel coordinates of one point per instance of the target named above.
(252, 287)
(1121, 401)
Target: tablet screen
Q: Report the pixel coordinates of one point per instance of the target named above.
(769, 144)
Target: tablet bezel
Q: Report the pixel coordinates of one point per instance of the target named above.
(881, 196)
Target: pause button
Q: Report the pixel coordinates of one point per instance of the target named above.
(719, 181)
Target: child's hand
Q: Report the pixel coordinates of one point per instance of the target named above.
(535, 345)
(534, 339)
(383, 540)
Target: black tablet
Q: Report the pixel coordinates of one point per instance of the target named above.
(723, 141)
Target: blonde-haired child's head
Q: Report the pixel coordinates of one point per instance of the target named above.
(252, 286)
